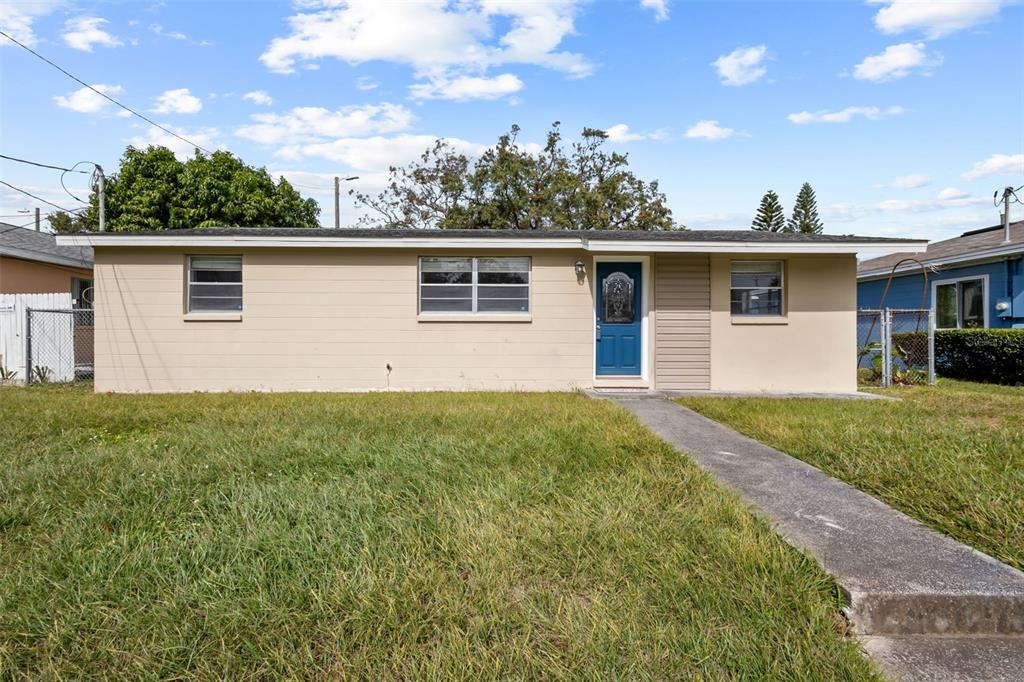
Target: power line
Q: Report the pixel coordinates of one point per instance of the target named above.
(41, 165)
(295, 184)
(104, 95)
(26, 192)
(17, 227)
(72, 169)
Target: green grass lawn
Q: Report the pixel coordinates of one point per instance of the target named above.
(950, 455)
(385, 536)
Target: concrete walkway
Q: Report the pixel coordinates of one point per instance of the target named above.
(912, 591)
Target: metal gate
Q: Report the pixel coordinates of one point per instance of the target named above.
(896, 347)
(58, 345)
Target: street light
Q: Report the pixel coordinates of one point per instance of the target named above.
(337, 198)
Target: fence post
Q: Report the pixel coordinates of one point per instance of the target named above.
(931, 347)
(886, 348)
(28, 345)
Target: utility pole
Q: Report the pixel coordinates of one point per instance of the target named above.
(337, 202)
(101, 192)
(337, 197)
(1007, 191)
(37, 218)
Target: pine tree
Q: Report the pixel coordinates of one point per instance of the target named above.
(805, 212)
(770, 217)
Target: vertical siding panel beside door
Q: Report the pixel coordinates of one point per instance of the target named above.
(682, 328)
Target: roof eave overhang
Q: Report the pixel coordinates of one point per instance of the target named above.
(36, 256)
(581, 243)
(961, 260)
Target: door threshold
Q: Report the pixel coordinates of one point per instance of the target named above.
(621, 382)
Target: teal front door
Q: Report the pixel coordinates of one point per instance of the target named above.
(619, 333)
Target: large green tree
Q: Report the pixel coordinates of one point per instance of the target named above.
(770, 217)
(153, 190)
(510, 187)
(805, 212)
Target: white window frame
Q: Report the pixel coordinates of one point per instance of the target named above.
(474, 284)
(959, 313)
(781, 288)
(189, 283)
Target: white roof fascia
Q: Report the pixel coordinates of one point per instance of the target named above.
(584, 243)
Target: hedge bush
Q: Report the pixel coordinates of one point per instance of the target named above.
(991, 355)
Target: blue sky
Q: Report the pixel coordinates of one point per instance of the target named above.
(905, 116)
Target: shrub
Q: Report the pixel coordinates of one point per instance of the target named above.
(991, 355)
(911, 347)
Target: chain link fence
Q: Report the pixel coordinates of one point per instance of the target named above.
(895, 347)
(59, 345)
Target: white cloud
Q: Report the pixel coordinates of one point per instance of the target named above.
(935, 18)
(315, 124)
(949, 198)
(442, 41)
(997, 164)
(952, 193)
(709, 130)
(742, 66)
(467, 87)
(375, 153)
(843, 212)
(659, 7)
(259, 97)
(897, 61)
(17, 18)
(159, 30)
(81, 33)
(844, 115)
(206, 137)
(85, 101)
(620, 133)
(911, 181)
(366, 83)
(179, 101)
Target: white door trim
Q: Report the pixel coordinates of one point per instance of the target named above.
(645, 307)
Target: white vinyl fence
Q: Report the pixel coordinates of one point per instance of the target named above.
(14, 334)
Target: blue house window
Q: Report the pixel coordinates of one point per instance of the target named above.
(960, 304)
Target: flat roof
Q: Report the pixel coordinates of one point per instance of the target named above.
(588, 240)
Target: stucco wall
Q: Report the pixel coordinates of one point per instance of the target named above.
(19, 276)
(330, 320)
(812, 348)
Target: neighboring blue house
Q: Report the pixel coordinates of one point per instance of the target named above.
(976, 278)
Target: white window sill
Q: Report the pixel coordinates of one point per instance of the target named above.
(760, 319)
(213, 317)
(474, 317)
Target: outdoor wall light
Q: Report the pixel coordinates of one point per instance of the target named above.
(1001, 306)
(581, 268)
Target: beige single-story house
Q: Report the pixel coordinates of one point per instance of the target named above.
(286, 309)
